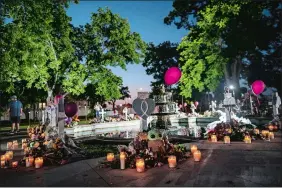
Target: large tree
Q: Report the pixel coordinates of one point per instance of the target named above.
(223, 38)
(42, 48)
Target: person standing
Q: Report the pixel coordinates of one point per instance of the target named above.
(15, 110)
(98, 108)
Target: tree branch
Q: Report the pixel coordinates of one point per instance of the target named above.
(56, 59)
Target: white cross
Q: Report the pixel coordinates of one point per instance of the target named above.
(102, 113)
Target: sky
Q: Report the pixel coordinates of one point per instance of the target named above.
(145, 18)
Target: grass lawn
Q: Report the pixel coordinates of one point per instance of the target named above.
(24, 125)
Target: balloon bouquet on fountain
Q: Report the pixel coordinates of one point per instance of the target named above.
(238, 129)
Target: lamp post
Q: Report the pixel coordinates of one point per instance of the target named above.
(232, 88)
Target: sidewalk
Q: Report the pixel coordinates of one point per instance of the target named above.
(237, 164)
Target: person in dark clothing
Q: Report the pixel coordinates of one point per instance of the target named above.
(15, 109)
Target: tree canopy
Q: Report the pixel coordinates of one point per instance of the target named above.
(42, 48)
(226, 39)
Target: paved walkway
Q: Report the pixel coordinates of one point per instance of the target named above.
(237, 164)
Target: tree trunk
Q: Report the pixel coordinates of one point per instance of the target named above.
(114, 106)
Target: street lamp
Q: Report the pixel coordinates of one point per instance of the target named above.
(231, 87)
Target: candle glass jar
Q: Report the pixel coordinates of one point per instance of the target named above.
(197, 155)
(226, 140)
(110, 157)
(172, 161)
(140, 165)
(194, 148)
(213, 138)
(271, 135)
(38, 162)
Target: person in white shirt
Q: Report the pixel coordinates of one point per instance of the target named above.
(97, 108)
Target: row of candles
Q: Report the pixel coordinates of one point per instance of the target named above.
(6, 159)
(247, 139)
(15, 145)
(140, 163)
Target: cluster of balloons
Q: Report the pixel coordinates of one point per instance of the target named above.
(258, 87)
(172, 76)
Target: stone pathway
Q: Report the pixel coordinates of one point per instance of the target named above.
(235, 164)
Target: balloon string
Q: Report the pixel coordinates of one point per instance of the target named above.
(146, 108)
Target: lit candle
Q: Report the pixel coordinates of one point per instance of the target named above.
(110, 157)
(9, 155)
(226, 140)
(248, 139)
(3, 161)
(271, 135)
(15, 145)
(15, 164)
(26, 150)
(9, 145)
(122, 160)
(270, 127)
(24, 140)
(172, 161)
(256, 131)
(197, 155)
(29, 161)
(194, 148)
(38, 162)
(3, 164)
(24, 145)
(213, 138)
(140, 165)
(264, 133)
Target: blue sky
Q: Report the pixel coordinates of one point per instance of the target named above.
(146, 18)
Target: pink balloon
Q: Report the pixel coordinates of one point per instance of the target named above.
(57, 99)
(196, 103)
(172, 75)
(258, 87)
(180, 106)
(185, 104)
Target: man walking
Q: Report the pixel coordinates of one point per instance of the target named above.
(15, 109)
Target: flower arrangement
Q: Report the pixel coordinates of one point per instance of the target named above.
(152, 147)
(41, 144)
(234, 130)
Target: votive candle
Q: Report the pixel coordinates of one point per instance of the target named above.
(194, 148)
(14, 164)
(140, 165)
(197, 155)
(226, 139)
(248, 139)
(271, 135)
(110, 157)
(29, 161)
(9, 145)
(38, 162)
(172, 161)
(122, 160)
(213, 138)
